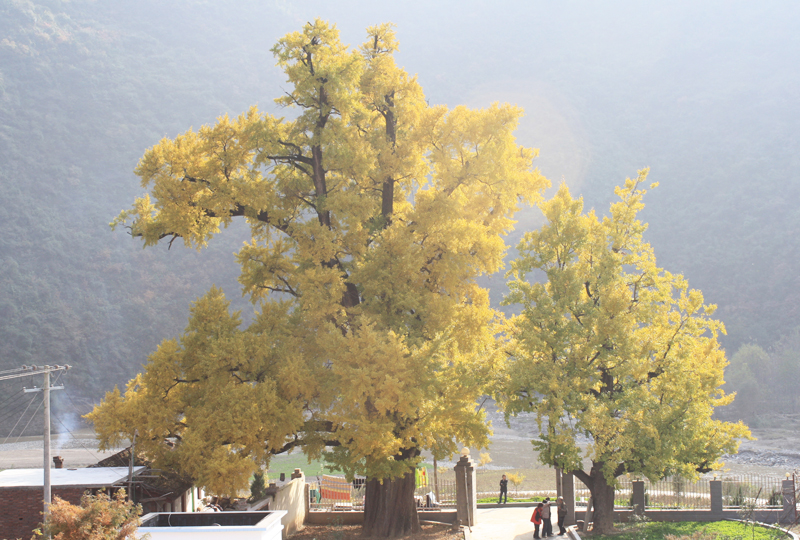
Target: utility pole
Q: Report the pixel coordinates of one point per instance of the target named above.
(27, 371)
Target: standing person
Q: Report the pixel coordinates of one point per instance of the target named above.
(536, 519)
(503, 489)
(547, 522)
(562, 514)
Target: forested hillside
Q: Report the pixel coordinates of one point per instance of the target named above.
(705, 96)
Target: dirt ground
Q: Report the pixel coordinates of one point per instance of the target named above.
(348, 532)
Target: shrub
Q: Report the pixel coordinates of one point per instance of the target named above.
(258, 488)
(98, 517)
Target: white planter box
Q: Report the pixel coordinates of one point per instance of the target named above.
(212, 525)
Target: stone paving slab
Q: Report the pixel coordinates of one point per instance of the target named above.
(505, 523)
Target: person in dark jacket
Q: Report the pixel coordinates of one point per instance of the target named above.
(561, 504)
(503, 489)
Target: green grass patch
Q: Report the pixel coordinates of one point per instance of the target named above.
(287, 463)
(718, 530)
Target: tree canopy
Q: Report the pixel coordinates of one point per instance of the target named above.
(613, 350)
(372, 214)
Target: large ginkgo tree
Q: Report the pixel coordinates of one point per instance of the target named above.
(372, 214)
(618, 359)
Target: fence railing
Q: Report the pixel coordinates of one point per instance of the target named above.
(763, 491)
(426, 495)
(751, 489)
(337, 494)
(671, 492)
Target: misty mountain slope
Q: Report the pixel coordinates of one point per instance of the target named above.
(703, 94)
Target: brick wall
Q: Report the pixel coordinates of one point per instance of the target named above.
(21, 509)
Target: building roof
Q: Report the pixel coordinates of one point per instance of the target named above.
(89, 477)
(159, 483)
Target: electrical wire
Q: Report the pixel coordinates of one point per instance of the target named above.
(74, 438)
(7, 410)
(37, 409)
(29, 421)
(5, 371)
(8, 414)
(12, 413)
(75, 408)
(33, 398)
(10, 397)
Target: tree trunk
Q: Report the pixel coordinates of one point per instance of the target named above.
(389, 507)
(603, 497)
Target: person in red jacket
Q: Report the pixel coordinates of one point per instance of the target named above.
(536, 519)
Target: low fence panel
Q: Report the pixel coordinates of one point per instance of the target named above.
(759, 491)
(335, 493)
(753, 490)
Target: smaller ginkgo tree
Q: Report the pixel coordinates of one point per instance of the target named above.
(516, 480)
(611, 349)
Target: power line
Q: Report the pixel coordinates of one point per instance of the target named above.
(10, 397)
(33, 398)
(74, 406)
(74, 438)
(26, 371)
(14, 397)
(12, 412)
(21, 433)
(14, 370)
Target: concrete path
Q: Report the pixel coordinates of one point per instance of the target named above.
(505, 524)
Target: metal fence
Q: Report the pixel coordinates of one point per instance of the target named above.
(346, 496)
(446, 498)
(751, 489)
(762, 491)
(670, 492)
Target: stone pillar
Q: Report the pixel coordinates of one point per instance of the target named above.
(639, 501)
(715, 490)
(559, 476)
(568, 492)
(788, 514)
(466, 495)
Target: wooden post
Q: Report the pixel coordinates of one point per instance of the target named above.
(436, 481)
(587, 517)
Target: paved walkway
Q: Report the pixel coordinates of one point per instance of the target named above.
(505, 524)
